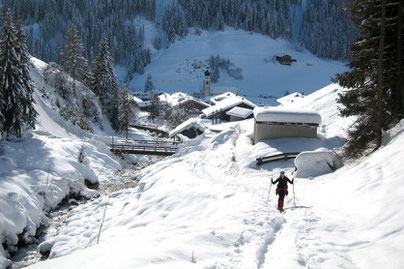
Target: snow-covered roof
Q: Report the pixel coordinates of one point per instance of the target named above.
(221, 97)
(139, 101)
(196, 123)
(197, 101)
(240, 112)
(227, 104)
(178, 98)
(287, 115)
(175, 98)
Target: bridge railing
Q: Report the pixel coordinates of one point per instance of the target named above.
(121, 141)
(276, 157)
(138, 148)
(150, 147)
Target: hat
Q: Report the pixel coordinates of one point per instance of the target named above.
(282, 172)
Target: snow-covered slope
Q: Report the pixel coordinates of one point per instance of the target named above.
(205, 207)
(181, 66)
(38, 172)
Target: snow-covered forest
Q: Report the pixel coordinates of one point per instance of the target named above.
(46, 24)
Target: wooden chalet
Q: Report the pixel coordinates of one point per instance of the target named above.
(193, 104)
(285, 59)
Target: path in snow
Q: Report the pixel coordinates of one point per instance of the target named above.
(289, 240)
(301, 242)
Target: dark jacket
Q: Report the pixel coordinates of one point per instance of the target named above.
(282, 183)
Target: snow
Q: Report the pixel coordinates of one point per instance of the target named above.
(219, 98)
(224, 89)
(39, 171)
(195, 123)
(139, 101)
(226, 104)
(172, 70)
(287, 115)
(240, 112)
(175, 98)
(317, 163)
(205, 206)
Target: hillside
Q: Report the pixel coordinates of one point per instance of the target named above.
(205, 207)
(40, 170)
(181, 66)
(243, 32)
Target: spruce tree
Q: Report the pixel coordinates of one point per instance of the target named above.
(148, 85)
(104, 83)
(126, 110)
(371, 80)
(155, 106)
(72, 58)
(84, 74)
(16, 89)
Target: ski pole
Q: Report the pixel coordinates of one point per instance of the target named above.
(294, 195)
(269, 191)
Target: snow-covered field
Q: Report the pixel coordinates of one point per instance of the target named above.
(181, 66)
(205, 207)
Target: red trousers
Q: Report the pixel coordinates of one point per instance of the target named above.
(281, 198)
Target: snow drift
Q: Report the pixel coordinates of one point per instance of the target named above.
(316, 163)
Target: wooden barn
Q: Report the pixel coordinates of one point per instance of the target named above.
(191, 104)
(285, 59)
(277, 122)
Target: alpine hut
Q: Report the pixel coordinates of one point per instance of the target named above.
(275, 122)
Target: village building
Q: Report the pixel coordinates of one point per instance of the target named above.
(221, 97)
(239, 113)
(143, 105)
(190, 128)
(274, 122)
(192, 104)
(285, 59)
(183, 100)
(218, 111)
(208, 91)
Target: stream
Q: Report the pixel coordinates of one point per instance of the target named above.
(29, 254)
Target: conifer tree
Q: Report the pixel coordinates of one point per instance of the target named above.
(126, 110)
(104, 83)
(148, 85)
(84, 74)
(72, 58)
(154, 106)
(17, 111)
(372, 78)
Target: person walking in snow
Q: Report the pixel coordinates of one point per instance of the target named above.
(282, 188)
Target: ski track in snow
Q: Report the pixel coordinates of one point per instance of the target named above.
(263, 226)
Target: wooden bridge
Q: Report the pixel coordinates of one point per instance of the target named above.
(277, 157)
(145, 147)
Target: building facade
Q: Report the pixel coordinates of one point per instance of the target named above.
(280, 122)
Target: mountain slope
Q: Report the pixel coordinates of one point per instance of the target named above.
(39, 171)
(181, 67)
